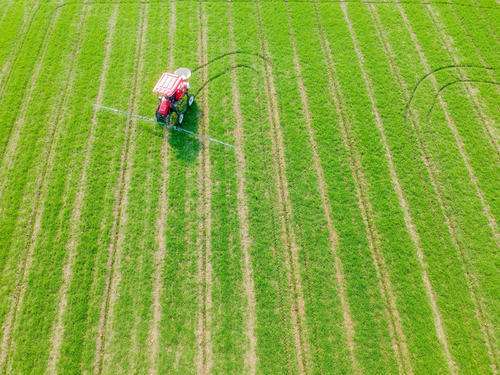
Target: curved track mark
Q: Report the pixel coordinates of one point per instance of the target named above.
(431, 73)
(461, 148)
(454, 131)
(481, 112)
(231, 54)
(454, 82)
(222, 73)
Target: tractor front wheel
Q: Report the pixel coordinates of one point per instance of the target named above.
(180, 119)
(190, 100)
(160, 119)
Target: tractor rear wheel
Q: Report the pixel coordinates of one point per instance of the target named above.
(190, 100)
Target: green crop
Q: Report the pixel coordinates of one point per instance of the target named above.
(319, 238)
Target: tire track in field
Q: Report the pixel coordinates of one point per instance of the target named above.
(398, 339)
(453, 129)
(159, 258)
(40, 191)
(243, 214)
(204, 358)
(403, 203)
(8, 66)
(457, 81)
(134, 350)
(113, 276)
(15, 132)
(472, 283)
(297, 308)
(75, 220)
(449, 45)
(325, 200)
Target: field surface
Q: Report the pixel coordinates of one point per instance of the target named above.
(329, 206)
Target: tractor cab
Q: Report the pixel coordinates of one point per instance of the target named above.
(173, 95)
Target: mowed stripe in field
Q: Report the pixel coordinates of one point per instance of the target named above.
(40, 195)
(251, 357)
(162, 322)
(464, 157)
(113, 277)
(450, 220)
(297, 308)
(332, 234)
(204, 361)
(75, 222)
(472, 95)
(12, 22)
(159, 258)
(484, 33)
(40, 303)
(228, 290)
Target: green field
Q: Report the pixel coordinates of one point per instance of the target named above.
(333, 210)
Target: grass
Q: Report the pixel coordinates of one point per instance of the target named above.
(306, 156)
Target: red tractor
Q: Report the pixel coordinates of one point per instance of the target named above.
(174, 98)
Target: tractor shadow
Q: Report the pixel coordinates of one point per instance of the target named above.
(186, 146)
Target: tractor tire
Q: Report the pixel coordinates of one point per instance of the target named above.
(190, 100)
(180, 119)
